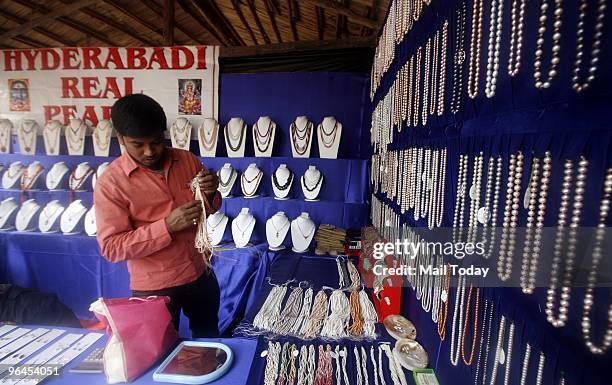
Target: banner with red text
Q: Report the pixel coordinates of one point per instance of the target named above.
(64, 83)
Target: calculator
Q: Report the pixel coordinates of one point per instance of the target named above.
(91, 364)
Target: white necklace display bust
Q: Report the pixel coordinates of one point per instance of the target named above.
(208, 135)
(75, 136)
(8, 210)
(80, 176)
(71, 221)
(26, 219)
(30, 179)
(6, 134)
(57, 177)
(300, 134)
(227, 177)
(235, 137)
(264, 131)
(12, 175)
(311, 181)
(242, 228)
(90, 222)
(328, 135)
(27, 136)
(250, 180)
(99, 171)
(282, 179)
(302, 232)
(277, 228)
(180, 134)
(51, 137)
(48, 221)
(215, 227)
(101, 137)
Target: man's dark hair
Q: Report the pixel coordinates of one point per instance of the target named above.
(138, 116)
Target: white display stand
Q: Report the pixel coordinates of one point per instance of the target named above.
(264, 132)
(90, 222)
(27, 216)
(8, 210)
(311, 182)
(242, 228)
(235, 137)
(208, 136)
(180, 134)
(48, 221)
(72, 218)
(227, 177)
(277, 228)
(99, 171)
(101, 137)
(51, 137)
(282, 179)
(215, 227)
(30, 179)
(300, 134)
(12, 176)
(80, 176)
(328, 135)
(6, 133)
(250, 180)
(75, 136)
(57, 177)
(27, 135)
(302, 232)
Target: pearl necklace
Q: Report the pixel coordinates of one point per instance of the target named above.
(208, 136)
(498, 352)
(511, 213)
(255, 181)
(434, 73)
(485, 343)
(308, 234)
(248, 225)
(555, 273)
(331, 135)
(459, 57)
(6, 128)
(475, 40)
(409, 98)
(418, 187)
(102, 136)
(531, 254)
(413, 176)
(27, 135)
(437, 289)
(516, 37)
(417, 84)
(51, 134)
(442, 81)
(441, 190)
(427, 70)
(234, 137)
(27, 180)
(595, 48)
(495, 33)
(455, 344)
(75, 136)
(487, 214)
(433, 187)
(285, 185)
(468, 361)
(295, 136)
(75, 182)
(425, 184)
(475, 198)
(597, 254)
(445, 298)
(460, 199)
(225, 186)
(540, 83)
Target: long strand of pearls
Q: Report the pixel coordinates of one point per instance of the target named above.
(456, 328)
(540, 373)
(484, 343)
(271, 371)
(459, 55)
(290, 312)
(540, 82)
(516, 37)
(368, 312)
(335, 325)
(268, 313)
(381, 370)
(499, 350)
(508, 237)
(304, 312)
(460, 199)
(357, 364)
(597, 254)
(364, 366)
(311, 365)
(475, 42)
(301, 374)
(525, 364)
(577, 85)
(495, 33)
(373, 360)
(313, 324)
(555, 274)
(442, 80)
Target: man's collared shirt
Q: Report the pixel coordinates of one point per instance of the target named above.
(131, 204)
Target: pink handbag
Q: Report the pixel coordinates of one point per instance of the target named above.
(140, 331)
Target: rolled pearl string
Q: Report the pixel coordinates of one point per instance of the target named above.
(304, 312)
(282, 374)
(271, 370)
(368, 312)
(364, 366)
(301, 374)
(290, 313)
(313, 324)
(589, 293)
(381, 371)
(375, 369)
(337, 321)
(357, 364)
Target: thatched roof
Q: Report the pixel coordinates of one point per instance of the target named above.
(228, 23)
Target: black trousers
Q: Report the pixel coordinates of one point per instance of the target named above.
(199, 300)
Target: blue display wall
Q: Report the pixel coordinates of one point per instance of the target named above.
(518, 117)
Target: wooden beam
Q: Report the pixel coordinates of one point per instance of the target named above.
(370, 13)
(48, 16)
(225, 23)
(187, 7)
(237, 9)
(296, 47)
(253, 10)
(319, 13)
(122, 9)
(169, 22)
(43, 31)
(272, 18)
(26, 40)
(346, 11)
(292, 21)
(153, 7)
(339, 19)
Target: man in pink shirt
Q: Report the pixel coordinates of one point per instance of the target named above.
(146, 215)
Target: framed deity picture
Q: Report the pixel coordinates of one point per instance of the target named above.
(190, 96)
(19, 95)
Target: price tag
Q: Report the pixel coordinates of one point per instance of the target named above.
(526, 197)
(296, 353)
(483, 215)
(502, 357)
(263, 353)
(444, 296)
(473, 194)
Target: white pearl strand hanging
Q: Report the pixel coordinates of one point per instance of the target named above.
(475, 42)
(533, 241)
(498, 352)
(419, 185)
(417, 85)
(441, 190)
(442, 79)
(460, 199)
(540, 82)
(577, 85)
(516, 36)
(485, 343)
(425, 184)
(495, 33)
(490, 213)
(597, 254)
(433, 195)
(433, 96)
(456, 328)
(475, 198)
(508, 237)
(555, 273)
